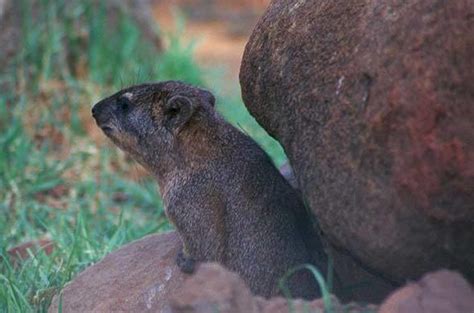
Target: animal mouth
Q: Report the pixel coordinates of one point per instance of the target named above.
(107, 128)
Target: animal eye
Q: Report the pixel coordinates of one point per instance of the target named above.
(172, 112)
(124, 104)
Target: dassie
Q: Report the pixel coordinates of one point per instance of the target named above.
(221, 191)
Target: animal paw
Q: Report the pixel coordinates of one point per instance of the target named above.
(186, 263)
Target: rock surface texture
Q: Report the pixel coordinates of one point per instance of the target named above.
(373, 102)
(438, 292)
(136, 278)
(142, 277)
(215, 289)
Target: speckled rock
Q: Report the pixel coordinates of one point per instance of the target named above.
(136, 278)
(439, 292)
(373, 102)
(215, 289)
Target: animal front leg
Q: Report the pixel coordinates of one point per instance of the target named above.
(201, 227)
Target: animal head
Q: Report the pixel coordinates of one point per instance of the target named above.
(147, 121)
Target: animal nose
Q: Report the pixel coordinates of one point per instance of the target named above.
(94, 110)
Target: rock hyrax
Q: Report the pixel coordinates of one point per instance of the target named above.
(226, 199)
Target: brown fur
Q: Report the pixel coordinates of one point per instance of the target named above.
(221, 191)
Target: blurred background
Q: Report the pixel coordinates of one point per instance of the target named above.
(67, 196)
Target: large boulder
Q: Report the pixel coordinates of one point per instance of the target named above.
(373, 101)
(139, 277)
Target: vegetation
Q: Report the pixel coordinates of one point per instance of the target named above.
(59, 177)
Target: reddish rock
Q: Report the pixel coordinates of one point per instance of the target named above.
(142, 277)
(373, 103)
(282, 305)
(439, 292)
(136, 278)
(215, 289)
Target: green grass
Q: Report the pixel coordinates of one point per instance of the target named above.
(56, 181)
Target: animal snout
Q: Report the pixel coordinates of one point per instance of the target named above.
(98, 110)
(99, 113)
(94, 111)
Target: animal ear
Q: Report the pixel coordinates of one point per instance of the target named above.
(210, 99)
(178, 110)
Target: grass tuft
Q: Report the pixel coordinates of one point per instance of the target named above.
(323, 287)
